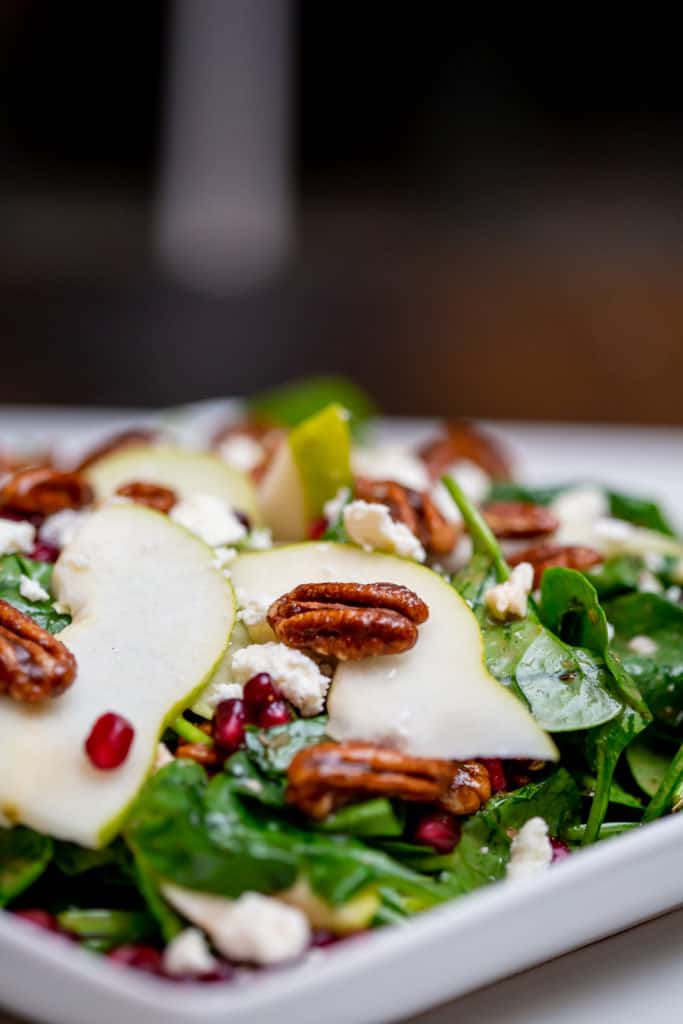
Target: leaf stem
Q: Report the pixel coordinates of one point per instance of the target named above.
(576, 833)
(662, 801)
(478, 528)
(190, 732)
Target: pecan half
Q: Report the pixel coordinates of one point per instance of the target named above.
(200, 753)
(517, 520)
(41, 490)
(162, 499)
(348, 620)
(33, 663)
(328, 775)
(546, 556)
(413, 508)
(125, 439)
(462, 440)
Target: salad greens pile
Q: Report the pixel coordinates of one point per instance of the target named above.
(578, 661)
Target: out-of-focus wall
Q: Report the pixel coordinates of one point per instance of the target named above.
(482, 215)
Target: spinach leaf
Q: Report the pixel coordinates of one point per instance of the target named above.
(273, 749)
(616, 575)
(12, 568)
(659, 675)
(289, 405)
(248, 781)
(669, 792)
(648, 762)
(72, 859)
(24, 856)
(102, 929)
(508, 490)
(378, 817)
(617, 794)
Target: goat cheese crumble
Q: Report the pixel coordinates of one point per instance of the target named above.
(332, 509)
(293, 672)
(253, 607)
(210, 518)
(580, 507)
(16, 538)
(370, 526)
(242, 452)
(32, 590)
(188, 954)
(391, 462)
(61, 528)
(530, 851)
(509, 600)
(253, 928)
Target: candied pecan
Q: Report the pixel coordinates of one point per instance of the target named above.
(413, 508)
(33, 663)
(348, 620)
(162, 499)
(132, 438)
(202, 753)
(518, 520)
(43, 491)
(328, 775)
(462, 440)
(566, 556)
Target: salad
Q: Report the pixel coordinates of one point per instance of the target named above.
(292, 685)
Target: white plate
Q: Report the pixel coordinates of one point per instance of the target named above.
(442, 954)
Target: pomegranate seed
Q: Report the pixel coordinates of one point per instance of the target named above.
(560, 850)
(274, 714)
(109, 741)
(259, 692)
(142, 958)
(322, 937)
(228, 724)
(317, 528)
(223, 971)
(23, 517)
(44, 553)
(439, 830)
(496, 771)
(40, 918)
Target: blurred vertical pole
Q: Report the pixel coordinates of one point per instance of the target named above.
(225, 220)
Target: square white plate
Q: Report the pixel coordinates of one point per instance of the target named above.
(447, 952)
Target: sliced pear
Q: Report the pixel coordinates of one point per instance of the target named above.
(436, 700)
(352, 916)
(307, 471)
(151, 620)
(185, 471)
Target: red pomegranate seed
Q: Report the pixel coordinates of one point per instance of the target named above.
(496, 771)
(560, 849)
(317, 528)
(44, 553)
(274, 714)
(259, 692)
(223, 971)
(40, 918)
(142, 958)
(439, 830)
(228, 724)
(321, 938)
(109, 741)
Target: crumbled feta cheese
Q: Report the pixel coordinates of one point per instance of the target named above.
(471, 478)
(332, 509)
(16, 538)
(508, 600)
(370, 525)
(162, 757)
(674, 593)
(210, 518)
(580, 506)
(530, 851)
(217, 692)
(242, 452)
(253, 607)
(260, 539)
(648, 583)
(32, 590)
(188, 954)
(391, 462)
(294, 673)
(253, 928)
(654, 561)
(61, 528)
(610, 631)
(224, 556)
(642, 644)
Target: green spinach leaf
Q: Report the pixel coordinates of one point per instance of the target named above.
(273, 749)
(289, 405)
(24, 856)
(12, 568)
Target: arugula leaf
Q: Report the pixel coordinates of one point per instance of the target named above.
(289, 405)
(24, 856)
(273, 749)
(12, 568)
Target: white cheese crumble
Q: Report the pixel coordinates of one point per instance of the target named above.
(224, 556)
(391, 462)
(188, 954)
(642, 644)
(253, 928)
(509, 600)
(580, 506)
(260, 539)
(332, 509)
(162, 757)
(648, 583)
(370, 526)
(210, 518)
(253, 607)
(471, 478)
(32, 590)
(530, 851)
(61, 528)
(242, 452)
(294, 673)
(16, 538)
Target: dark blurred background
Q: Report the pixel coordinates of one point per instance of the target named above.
(473, 213)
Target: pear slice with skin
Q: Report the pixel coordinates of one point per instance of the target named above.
(309, 468)
(186, 472)
(151, 619)
(436, 700)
